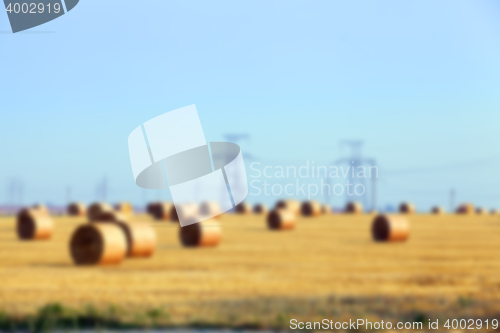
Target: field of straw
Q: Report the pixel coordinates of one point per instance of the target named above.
(326, 267)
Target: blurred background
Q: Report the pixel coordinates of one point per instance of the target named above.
(411, 87)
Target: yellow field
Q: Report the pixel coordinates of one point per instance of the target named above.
(446, 256)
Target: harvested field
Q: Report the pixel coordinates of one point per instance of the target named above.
(447, 257)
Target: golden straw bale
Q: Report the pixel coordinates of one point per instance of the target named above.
(201, 234)
(281, 219)
(407, 208)
(291, 205)
(354, 208)
(310, 208)
(259, 209)
(390, 228)
(33, 224)
(98, 244)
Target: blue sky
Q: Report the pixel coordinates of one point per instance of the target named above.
(418, 81)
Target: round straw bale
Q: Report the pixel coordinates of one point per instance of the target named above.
(466, 208)
(437, 210)
(161, 210)
(184, 211)
(150, 208)
(210, 208)
(41, 208)
(353, 208)
(34, 224)
(141, 237)
(97, 209)
(204, 233)
(281, 219)
(124, 207)
(111, 217)
(494, 212)
(480, 211)
(390, 228)
(291, 205)
(407, 208)
(259, 209)
(98, 244)
(243, 208)
(76, 209)
(310, 208)
(326, 209)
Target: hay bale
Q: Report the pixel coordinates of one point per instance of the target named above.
(310, 208)
(185, 211)
(281, 219)
(326, 209)
(41, 208)
(259, 209)
(141, 237)
(407, 208)
(390, 228)
(481, 211)
(291, 205)
(353, 208)
(243, 208)
(150, 208)
(210, 208)
(494, 212)
(98, 244)
(97, 209)
(111, 216)
(33, 224)
(161, 210)
(76, 209)
(200, 234)
(437, 210)
(466, 209)
(124, 208)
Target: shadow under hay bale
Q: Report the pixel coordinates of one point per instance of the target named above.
(390, 228)
(98, 244)
(259, 209)
(184, 211)
(204, 233)
(33, 224)
(291, 205)
(437, 210)
(243, 208)
(141, 237)
(466, 208)
(353, 208)
(310, 208)
(124, 208)
(281, 219)
(97, 209)
(407, 208)
(210, 208)
(76, 209)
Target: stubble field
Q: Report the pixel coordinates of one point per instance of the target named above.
(327, 266)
